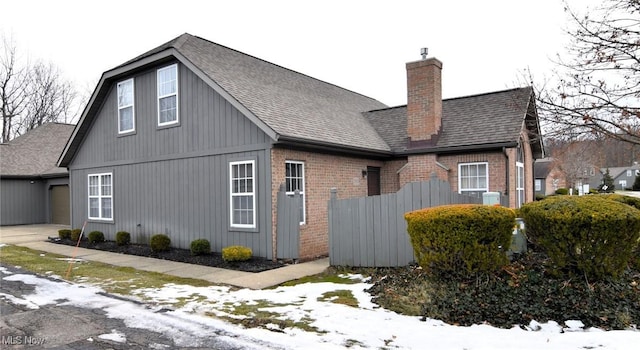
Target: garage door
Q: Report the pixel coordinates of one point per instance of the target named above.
(60, 205)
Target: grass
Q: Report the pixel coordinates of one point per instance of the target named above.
(331, 275)
(341, 296)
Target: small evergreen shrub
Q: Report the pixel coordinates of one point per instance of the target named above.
(636, 184)
(123, 238)
(461, 240)
(590, 236)
(75, 234)
(95, 237)
(562, 191)
(632, 201)
(540, 196)
(160, 242)
(236, 253)
(200, 247)
(64, 234)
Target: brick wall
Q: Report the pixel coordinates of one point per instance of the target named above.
(322, 172)
(424, 98)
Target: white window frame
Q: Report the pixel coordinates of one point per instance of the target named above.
(132, 106)
(251, 193)
(291, 193)
(538, 184)
(160, 97)
(623, 184)
(100, 196)
(629, 173)
(520, 194)
(485, 189)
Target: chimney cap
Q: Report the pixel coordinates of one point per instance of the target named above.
(424, 52)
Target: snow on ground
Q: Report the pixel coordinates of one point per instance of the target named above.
(365, 327)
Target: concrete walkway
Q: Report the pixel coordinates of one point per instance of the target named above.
(35, 237)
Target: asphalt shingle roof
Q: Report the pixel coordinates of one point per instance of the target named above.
(466, 121)
(36, 152)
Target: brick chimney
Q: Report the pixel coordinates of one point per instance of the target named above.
(424, 101)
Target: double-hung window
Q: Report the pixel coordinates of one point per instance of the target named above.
(520, 183)
(473, 178)
(243, 194)
(101, 196)
(126, 113)
(294, 180)
(168, 95)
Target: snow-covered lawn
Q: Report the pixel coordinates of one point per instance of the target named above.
(330, 325)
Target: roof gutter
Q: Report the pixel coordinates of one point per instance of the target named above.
(458, 149)
(302, 143)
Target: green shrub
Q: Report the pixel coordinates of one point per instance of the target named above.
(236, 253)
(540, 196)
(75, 234)
(461, 240)
(586, 235)
(95, 237)
(562, 191)
(64, 234)
(160, 242)
(632, 201)
(200, 247)
(123, 238)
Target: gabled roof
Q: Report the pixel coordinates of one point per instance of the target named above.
(36, 152)
(616, 172)
(542, 167)
(486, 120)
(287, 105)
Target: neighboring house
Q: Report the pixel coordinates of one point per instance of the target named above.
(33, 190)
(548, 177)
(623, 177)
(193, 139)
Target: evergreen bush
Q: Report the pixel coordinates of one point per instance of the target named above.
(200, 247)
(636, 184)
(590, 236)
(95, 237)
(75, 234)
(562, 191)
(123, 238)
(461, 240)
(160, 242)
(64, 234)
(236, 253)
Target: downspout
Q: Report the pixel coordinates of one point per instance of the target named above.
(506, 163)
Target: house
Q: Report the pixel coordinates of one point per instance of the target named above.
(193, 139)
(33, 190)
(548, 176)
(623, 177)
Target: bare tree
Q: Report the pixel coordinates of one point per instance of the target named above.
(31, 94)
(597, 84)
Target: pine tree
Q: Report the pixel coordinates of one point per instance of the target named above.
(636, 183)
(607, 183)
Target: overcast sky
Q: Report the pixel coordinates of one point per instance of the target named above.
(359, 45)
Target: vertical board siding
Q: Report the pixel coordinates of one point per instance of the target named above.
(372, 232)
(288, 225)
(174, 180)
(21, 202)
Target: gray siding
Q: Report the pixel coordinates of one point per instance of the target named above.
(22, 202)
(175, 180)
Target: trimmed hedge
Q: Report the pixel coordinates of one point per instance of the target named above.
(123, 238)
(461, 240)
(236, 253)
(200, 247)
(64, 234)
(95, 237)
(592, 236)
(160, 242)
(632, 201)
(75, 234)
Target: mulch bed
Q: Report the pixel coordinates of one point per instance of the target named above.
(254, 264)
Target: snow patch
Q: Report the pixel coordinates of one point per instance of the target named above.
(114, 336)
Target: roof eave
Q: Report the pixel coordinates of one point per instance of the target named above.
(462, 148)
(314, 145)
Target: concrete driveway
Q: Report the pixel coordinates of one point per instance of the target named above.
(28, 233)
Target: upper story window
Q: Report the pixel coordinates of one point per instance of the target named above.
(101, 196)
(629, 173)
(126, 112)
(168, 95)
(243, 194)
(294, 180)
(473, 178)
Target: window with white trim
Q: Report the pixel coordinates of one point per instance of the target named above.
(629, 173)
(243, 195)
(126, 113)
(520, 183)
(168, 95)
(473, 178)
(538, 185)
(294, 180)
(101, 196)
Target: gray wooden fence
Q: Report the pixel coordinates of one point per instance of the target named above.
(372, 232)
(288, 225)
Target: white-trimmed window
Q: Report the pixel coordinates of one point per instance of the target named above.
(168, 95)
(294, 180)
(520, 183)
(101, 196)
(538, 185)
(629, 173)
(473, 178)
(126, 112)
(243, 195)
